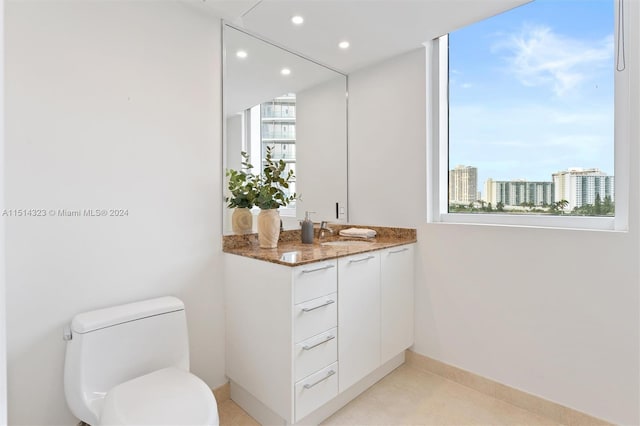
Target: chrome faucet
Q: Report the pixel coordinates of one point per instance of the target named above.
(324, 227)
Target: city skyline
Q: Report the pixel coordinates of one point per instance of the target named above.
(576, 187)
(531, 90)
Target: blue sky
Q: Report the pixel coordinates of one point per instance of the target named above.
(531, 91)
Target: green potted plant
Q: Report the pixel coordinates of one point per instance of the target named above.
(269, 196)
(242, 190)
(266, 191)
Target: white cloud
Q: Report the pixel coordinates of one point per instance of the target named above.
(537, 56)
(466, 85)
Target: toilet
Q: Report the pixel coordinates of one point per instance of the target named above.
(129, 365)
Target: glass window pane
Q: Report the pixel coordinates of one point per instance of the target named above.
(531, 111)
(279, 133)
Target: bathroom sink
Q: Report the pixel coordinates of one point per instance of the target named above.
(346, 243)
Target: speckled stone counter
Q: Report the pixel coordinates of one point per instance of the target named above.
(291, 251)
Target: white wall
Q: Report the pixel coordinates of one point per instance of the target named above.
(387, 152)
(551, 312)
(234, 142)
(233, 160)
(109, 105)
(3, 320)
(321, 150)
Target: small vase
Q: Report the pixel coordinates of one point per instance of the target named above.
(242, 221)
(268, 228)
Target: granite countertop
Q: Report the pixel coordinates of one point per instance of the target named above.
(291, 251)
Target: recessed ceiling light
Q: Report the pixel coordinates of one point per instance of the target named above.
(241, 54)
(297, 20)
(285, 71)
(343, 45)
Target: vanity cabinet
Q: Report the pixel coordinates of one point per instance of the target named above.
(306, 339)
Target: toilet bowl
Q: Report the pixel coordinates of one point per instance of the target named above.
(144, 401)
(129, 365)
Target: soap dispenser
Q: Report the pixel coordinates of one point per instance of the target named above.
(307, 229)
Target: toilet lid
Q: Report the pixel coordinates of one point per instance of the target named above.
(165, 397)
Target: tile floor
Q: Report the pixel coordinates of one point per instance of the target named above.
(409, 396)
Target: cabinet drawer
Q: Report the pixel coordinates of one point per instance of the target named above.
(314, 280)
(315, 316)
(315, 353)
(316, 390)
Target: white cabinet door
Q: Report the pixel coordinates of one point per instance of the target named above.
(358, 317)
(397, 300)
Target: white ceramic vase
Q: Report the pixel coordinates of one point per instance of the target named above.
(242, 221)
(268, 228)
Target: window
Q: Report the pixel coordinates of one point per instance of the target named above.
(530, 111)
(279, 132)
(273, 124)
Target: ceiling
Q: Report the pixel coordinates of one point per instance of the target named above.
(376, 29)
(257, 77)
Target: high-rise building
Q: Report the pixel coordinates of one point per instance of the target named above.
(517, 192)
(582, 186)
(540, 193)
(278, 131)
(463, 184)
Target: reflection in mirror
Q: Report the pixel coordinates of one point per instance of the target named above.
(274, 98)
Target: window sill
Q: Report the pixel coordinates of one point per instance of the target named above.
(533, 221)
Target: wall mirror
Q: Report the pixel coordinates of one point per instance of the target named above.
(272, 97)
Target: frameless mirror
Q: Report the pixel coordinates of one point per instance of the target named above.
(275, 98)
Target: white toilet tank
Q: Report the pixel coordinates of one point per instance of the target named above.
(110, 346)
